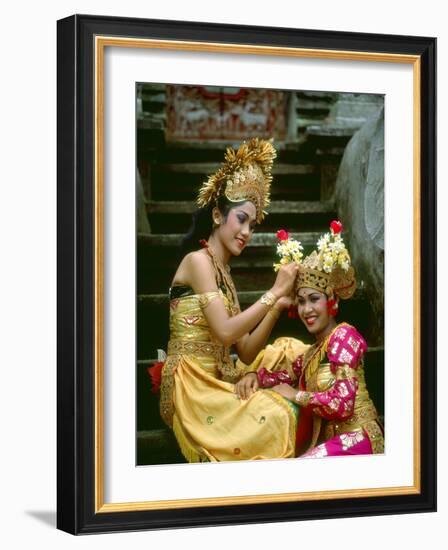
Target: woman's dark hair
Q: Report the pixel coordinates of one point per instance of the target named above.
(202, 224)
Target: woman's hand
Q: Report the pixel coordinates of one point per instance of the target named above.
(284, 283)
(286, 390)
(247, 385)
(284, 302)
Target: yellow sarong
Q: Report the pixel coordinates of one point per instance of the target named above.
(198, 400)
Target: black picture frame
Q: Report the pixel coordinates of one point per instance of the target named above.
(79, 509)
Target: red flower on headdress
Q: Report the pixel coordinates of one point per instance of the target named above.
(282, 235)
(332, 307)
(336, 226)
(155, 374)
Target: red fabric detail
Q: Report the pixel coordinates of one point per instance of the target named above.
(297, 366)
(155, 375)
(203, 243)
(346, 346)
(268, 379)
(342, 398)
(304, 431)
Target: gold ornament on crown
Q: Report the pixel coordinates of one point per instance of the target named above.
(327, 269)
(245, 175)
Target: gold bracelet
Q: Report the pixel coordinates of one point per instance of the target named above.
(303, 398)
(268, 299)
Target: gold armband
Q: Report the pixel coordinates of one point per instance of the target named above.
(206, 298)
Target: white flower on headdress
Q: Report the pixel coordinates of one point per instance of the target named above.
(289, 250)
(323, 242)
(332, 251)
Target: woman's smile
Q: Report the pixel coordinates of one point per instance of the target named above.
(313, 311)
(241, 242)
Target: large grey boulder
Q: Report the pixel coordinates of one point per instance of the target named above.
(359, 197)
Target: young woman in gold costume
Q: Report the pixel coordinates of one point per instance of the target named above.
(214, 409)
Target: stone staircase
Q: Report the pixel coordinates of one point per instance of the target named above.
(304, 175)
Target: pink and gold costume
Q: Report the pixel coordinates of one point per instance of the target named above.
(337, 416)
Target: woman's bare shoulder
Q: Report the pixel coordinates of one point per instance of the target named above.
(195, 270)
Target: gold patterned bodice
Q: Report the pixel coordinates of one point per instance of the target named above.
(190, 333)
(323, 379)
(364, 417)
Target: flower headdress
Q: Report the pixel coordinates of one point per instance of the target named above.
(327, 269)
(244, 175)
(288, 248)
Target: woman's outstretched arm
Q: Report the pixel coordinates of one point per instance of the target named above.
(198, 273)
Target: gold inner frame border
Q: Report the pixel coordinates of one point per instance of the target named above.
(101, 42)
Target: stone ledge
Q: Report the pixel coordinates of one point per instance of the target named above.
(276, 207)
(258, 239)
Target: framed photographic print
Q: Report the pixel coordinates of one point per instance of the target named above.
(181, 404)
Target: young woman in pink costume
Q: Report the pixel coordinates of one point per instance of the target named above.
(337, 416)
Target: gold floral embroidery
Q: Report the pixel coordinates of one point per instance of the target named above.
(375, 436)
(191, 319)
(344, 372)
(335, 348)
(351, 439)
(318, 452)
(334, 404)
(345, 356)
(187, 347)
(343, 389)
(353, 343)
(341, 333)
(166, 390)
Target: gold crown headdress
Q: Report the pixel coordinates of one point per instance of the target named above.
(245, 175)
(327, 269)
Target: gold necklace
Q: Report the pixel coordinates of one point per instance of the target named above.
(223, 278)
(311, 364)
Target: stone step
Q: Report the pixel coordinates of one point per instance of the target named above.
(328, 97)
(183, 180)
(259, 240)
(245, 298)
(291, 152)
(327, 131)
(312, 106)
(158, 446)
(221, 145)
(276, 207)
(207, 168)
(308, 216)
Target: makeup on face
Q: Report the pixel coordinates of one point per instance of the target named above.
(238, 228)
(313, 311)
